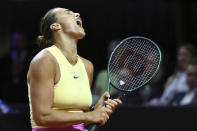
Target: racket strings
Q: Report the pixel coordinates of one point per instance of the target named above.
(133, 63)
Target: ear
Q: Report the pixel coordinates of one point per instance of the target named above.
(55, 27)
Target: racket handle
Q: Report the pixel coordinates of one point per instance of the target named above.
(93, 127)
(122, 97)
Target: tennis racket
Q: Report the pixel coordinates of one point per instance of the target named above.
(132, 64)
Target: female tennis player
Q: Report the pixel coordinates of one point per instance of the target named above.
(59, 80)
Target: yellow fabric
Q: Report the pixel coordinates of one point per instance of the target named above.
(72, 92)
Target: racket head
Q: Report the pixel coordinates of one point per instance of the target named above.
(117, 60)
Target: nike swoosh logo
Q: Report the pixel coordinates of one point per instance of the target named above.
(75, 77)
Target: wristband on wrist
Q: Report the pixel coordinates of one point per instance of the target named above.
(91, 108)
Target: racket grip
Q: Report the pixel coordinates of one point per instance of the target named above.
(93, 127)
(122, 97)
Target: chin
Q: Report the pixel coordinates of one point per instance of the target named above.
(81, 35)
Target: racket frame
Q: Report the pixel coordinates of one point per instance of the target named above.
(108, 73)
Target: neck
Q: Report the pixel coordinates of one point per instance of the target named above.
(68, 47)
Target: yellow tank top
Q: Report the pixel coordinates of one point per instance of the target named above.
(72, 92)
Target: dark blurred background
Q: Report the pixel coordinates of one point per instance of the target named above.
(166, 22)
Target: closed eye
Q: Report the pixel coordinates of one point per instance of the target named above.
(68, 11)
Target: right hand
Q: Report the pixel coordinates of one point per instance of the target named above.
(99, 115)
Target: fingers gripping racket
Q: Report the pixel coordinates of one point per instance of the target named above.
(132, 64)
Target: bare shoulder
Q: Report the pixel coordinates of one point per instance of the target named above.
(42, 58)
(42, 62)
(89, 69)
(88, 64)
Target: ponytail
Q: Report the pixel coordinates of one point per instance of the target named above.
(42, 42)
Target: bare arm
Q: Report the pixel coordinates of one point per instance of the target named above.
(41, 80)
